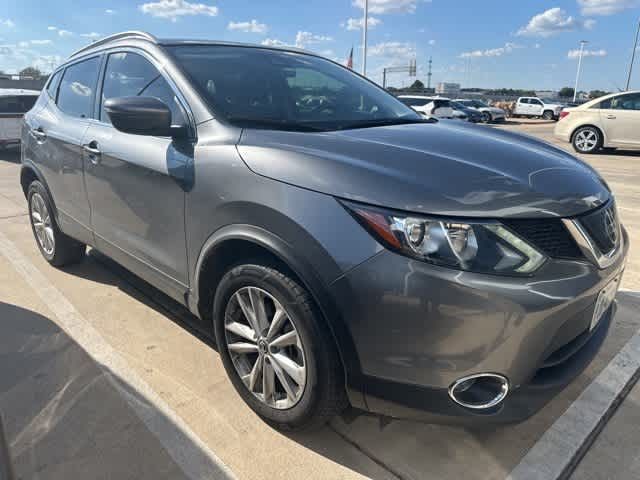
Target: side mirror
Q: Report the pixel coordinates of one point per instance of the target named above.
(142, 116)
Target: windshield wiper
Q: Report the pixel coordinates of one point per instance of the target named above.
(251, 122)
(386, 122)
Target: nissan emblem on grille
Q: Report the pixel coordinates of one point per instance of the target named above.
(611, 226)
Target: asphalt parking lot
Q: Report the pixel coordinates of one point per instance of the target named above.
(103, 377)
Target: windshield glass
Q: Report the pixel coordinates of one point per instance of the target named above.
(479, 104)
(256, 87)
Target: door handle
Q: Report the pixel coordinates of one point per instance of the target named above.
(39, 134)
(611, 117)
(94, 152)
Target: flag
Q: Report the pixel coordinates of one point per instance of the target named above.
(350, 59)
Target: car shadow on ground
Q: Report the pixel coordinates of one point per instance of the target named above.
(65, 415)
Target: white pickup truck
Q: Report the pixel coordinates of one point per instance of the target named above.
(537, 107)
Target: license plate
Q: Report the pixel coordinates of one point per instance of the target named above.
(604, 301)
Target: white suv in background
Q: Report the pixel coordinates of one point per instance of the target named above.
(607, 122)
(489, 114)
(438, 107)
(14, 103)
(537, 107)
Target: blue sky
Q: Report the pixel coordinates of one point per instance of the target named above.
(483, 43)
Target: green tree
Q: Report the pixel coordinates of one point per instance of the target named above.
(597, 93)
(30, 72)
(417, 85)
(566, 92)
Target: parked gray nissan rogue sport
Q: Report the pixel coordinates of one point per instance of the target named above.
(342, 248)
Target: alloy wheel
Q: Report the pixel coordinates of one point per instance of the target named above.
(586, 140)
(41, 220)
(265, 347)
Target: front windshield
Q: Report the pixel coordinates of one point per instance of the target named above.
(257, 87)
(479, 104)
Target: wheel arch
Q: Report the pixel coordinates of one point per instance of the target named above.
(28, 173)
(233, 244)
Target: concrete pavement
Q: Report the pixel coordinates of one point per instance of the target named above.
(66, 420)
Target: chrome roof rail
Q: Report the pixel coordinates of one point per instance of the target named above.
(117, 36)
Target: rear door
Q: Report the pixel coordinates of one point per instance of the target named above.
(135, 183)
(522, 107)
(620, 118)
(58, 130)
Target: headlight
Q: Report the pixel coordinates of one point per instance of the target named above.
(476, 246)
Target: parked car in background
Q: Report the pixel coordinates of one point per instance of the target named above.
(349, 251)
(472, 114)
(489, 114)
(14, 103)
(438, 107)
(611, 121)
(537, 107)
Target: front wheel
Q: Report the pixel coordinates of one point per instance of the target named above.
(548, 115)
(587, 140)
(486, 117)
(276, 348)
(56, 247)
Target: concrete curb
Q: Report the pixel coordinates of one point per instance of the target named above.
(560, 449)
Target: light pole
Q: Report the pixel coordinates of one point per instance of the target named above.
(365, 27)
(633, 56)
(575, 89)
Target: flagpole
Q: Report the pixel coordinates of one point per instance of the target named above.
(365, 27)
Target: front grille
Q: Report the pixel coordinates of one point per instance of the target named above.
(602, 226)
(549, 235)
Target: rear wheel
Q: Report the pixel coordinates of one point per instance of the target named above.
(587, 140)
(56, 247)
(276, 348)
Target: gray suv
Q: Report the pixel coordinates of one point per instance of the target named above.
(342, 249)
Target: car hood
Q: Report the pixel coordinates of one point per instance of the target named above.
(446, 168)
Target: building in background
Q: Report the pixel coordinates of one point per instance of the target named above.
(448, 89)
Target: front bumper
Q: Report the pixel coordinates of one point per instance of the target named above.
(419, 328)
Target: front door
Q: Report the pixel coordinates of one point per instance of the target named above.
(621, 119)
(136, 184)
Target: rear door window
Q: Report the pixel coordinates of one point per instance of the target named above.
(626, 102)
(77, 88)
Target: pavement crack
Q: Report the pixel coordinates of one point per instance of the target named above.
(369, 455)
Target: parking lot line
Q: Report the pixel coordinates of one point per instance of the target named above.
(193, 456)
(561, 447)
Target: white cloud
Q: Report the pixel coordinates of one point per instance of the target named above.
(356, 23)
(7, 23)
(381, 7)
(491, 52)
(173, 9)
(52, 29)
(14, 58)
(65, 33)
(108, 11)
(392, 49)
(273, 42)
(41, 42)
(432, 42)
(253, 26)
(307, 38)
(589, 23)
(587, 53)
(551, 22)
(92, 35)
(606, 7)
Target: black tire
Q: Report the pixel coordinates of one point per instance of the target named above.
(548, 115)
(65, 250)
(587, 140)
(324, 393)
(486, 117)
